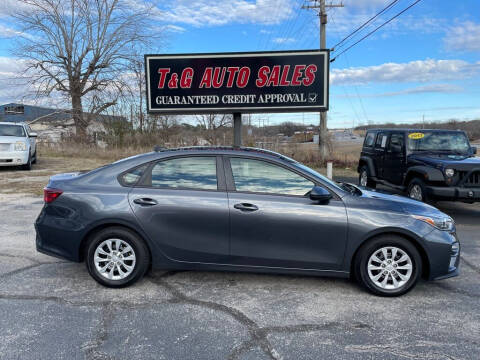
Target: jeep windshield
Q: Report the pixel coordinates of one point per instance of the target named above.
(12, 130)
(439, 142)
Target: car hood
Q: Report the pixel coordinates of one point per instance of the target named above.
(11, 139)
(402, 203)
(460, 162)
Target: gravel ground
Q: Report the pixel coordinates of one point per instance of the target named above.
(52, 309)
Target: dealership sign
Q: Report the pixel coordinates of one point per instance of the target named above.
(237, 82)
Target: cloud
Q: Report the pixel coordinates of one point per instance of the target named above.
(174, 29)
(463, 37)
(282, 40)
(414, 71)
(434, 88)
(202, 13)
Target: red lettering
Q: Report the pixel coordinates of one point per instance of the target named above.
(231, 75)
(310, 75)
(187, 78)
(263, 76)
(163, 77)
(274, 76)
(284, 81)
(218, 78)
(243, 77)
(206, 78)
(297, 73)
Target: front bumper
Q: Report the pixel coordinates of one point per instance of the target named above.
(454, 193)
(443, 249)
(13, 158)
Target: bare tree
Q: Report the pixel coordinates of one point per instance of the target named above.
(213, 124)
(83, 49)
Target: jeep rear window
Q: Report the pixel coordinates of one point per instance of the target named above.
(369, 139)
(12, 130)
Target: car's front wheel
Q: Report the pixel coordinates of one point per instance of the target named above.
(388, 265)
(117, 257)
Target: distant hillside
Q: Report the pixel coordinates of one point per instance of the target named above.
(472, 128)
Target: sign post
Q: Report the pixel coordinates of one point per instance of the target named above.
(236, 83)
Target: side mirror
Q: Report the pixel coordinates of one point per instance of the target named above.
(33, 134)
(396, 149)
(320, 194)
(474, 150)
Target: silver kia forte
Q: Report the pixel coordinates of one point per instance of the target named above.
(240, 209)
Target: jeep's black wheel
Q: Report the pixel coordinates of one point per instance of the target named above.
(364, 179)
(117, 257)
(388, 265)
(416, 190)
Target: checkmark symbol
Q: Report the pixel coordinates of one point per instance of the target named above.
(312, 98)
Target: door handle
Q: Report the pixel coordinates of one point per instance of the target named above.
(246, 207)
(145, 202)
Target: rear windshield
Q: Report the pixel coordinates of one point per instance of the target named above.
(12, 130)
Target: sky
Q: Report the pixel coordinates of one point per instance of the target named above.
(423, 65)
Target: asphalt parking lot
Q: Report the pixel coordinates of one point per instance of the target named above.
(51, 309)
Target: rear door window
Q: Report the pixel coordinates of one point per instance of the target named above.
(381, 141)
(196, 173)
(132, 177)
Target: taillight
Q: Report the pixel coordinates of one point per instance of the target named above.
(50, 195)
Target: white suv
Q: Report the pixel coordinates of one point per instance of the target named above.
(18, 146)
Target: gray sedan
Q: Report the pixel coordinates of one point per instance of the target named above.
(240, 209)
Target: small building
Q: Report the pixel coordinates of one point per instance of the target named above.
(55, 125)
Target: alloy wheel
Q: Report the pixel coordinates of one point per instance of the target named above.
(416, 192)
(390, 268)
(114, 259)
(363, 179)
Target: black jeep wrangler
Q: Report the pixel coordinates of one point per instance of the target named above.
(429, 165)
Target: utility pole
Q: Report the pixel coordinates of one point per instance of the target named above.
(321, 7)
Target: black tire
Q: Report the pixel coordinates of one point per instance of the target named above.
(374, 245)
(28, 165)
(364, 171)
(414, 186)
(34, 158)
(141, 252)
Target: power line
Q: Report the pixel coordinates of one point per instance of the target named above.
(376, 29)
(388, 7)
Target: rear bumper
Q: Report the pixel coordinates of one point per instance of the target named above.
(454, 193)
(13, 158)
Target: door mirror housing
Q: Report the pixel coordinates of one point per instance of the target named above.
(33, 134)
(474, 150)
(320, 194)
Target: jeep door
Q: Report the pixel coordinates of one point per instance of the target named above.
(379, 154)
(395, 159)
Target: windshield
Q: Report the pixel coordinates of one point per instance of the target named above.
(438, 141)
(318, 175)
(12, 130)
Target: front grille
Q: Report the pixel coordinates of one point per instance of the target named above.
(4, 147)
(472, 181)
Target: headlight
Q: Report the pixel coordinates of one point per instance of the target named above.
(443, 223)
(449, 172)
(20, 146)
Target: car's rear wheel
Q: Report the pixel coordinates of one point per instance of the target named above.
(388, 265)
(117, 257)
(416, 190)
(364, 178)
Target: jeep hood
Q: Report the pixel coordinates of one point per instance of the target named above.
(447, 160)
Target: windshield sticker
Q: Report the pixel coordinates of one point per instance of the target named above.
(416, 136)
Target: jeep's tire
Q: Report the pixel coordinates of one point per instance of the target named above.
(416, 190)
(117, 257)
(388, 265)
(365, 179)
(28, 165)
